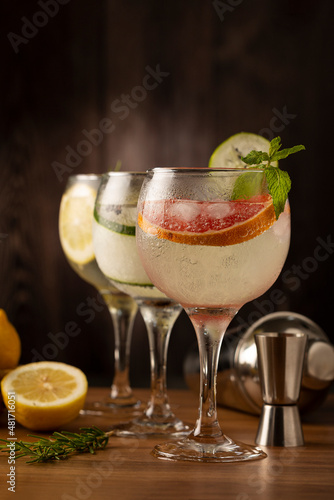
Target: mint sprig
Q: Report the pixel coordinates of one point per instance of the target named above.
(278, 181)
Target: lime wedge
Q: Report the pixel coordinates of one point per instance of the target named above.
(75, 223)
(229, 153)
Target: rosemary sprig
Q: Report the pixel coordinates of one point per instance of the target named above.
(60, 445)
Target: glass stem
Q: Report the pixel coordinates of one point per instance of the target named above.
(123, 310)
(159, 317)
(210, 326)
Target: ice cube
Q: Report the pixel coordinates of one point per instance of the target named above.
(218, 210)
(185, 211)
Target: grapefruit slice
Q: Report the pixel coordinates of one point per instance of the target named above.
(216, 223)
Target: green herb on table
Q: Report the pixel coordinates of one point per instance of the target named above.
(60, 445)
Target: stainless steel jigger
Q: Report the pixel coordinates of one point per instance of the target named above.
(280, 359)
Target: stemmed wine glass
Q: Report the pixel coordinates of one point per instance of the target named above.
(75, 231)
(116, 254)
(212, 253)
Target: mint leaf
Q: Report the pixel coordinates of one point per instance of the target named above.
(248, 185)
(284, 153)
(279, 185)
(275, 145)
(255, 158)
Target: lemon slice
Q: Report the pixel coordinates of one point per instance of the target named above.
(229, 153)
(75, 223)
(44, 395)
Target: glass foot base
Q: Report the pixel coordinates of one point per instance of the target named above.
(202, 450)
(109, 405)
(145, 427)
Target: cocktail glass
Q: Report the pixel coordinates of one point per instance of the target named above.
(212, 253)
(116, 253)
(75, 230)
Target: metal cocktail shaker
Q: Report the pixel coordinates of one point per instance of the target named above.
(238, 382)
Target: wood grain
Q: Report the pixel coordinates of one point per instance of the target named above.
(126, 470)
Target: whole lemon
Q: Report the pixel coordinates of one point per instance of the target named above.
(10, 344)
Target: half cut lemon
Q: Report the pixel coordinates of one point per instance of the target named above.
(44, 395)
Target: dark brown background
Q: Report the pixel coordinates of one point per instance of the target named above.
(231, 68)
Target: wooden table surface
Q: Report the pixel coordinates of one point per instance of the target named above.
(127, 470)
